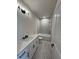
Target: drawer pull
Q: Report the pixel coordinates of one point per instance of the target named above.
(33, 46)
(28, 54)
(22, 54)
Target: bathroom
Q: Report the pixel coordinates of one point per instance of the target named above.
(39, 29)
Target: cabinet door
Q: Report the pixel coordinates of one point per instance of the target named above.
(27, 49)
(37, 42)
(34, 46)
(31, 50)
(23, 55)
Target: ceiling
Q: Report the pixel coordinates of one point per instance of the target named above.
(41, 8)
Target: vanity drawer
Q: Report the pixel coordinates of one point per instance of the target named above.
(23, 55)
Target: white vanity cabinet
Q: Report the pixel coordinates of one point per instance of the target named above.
(29, 50)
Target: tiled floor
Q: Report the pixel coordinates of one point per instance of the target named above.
(44, 51)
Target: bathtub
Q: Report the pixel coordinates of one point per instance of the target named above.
(44, 36)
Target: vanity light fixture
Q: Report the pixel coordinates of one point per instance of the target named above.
(18, 7)
(23, 11)
(27, 13)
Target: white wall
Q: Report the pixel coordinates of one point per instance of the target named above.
(56, 31)
(26, 24)
(44, 26)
